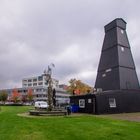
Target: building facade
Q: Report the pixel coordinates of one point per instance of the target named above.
(38, 81)
(39, 89)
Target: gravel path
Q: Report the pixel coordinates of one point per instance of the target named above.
(124, 116)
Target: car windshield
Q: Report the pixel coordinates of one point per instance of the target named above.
(43, 103)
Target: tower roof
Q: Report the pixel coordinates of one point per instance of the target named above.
(118, 22)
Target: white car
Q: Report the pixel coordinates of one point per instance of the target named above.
(41, 105)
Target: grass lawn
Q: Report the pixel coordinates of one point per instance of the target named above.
(85, 127)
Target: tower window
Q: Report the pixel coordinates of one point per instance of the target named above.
(104, 75)
(122, 49)
(122, 31)
(108, 70)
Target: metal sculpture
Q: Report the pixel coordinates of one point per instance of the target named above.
(48, 79)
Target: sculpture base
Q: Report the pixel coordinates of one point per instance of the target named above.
(48, 113)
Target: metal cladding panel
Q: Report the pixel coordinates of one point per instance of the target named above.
(122, 38)
(110, 39)
(109, 59)
(125, 57)
(128, 78)
(126, 101)
(108, 80)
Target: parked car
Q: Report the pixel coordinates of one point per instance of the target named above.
(41, 105)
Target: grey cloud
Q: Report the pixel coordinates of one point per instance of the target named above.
(68, 33)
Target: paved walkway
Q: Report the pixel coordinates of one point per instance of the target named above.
(123, 116)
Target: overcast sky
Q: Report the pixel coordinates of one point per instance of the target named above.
(68, 33)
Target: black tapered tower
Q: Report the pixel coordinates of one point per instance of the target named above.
(116, 69)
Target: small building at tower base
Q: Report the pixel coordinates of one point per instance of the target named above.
(108, 102)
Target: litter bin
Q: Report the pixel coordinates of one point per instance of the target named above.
(75, 108)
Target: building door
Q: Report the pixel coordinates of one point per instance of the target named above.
(93, 105)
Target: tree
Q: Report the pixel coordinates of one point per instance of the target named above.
(24, 98)
(15, 96)
(30, 94)
(3, 96)
(78, 87)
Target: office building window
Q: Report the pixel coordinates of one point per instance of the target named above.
(34, 80)
(29, 85)
(40, 83)
(29, 80)
(40, 78)
(34, 84)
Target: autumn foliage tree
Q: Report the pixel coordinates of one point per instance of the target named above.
(24, 98)
(30, 94)
(3, 96)
(15, 96)
(78, 87)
